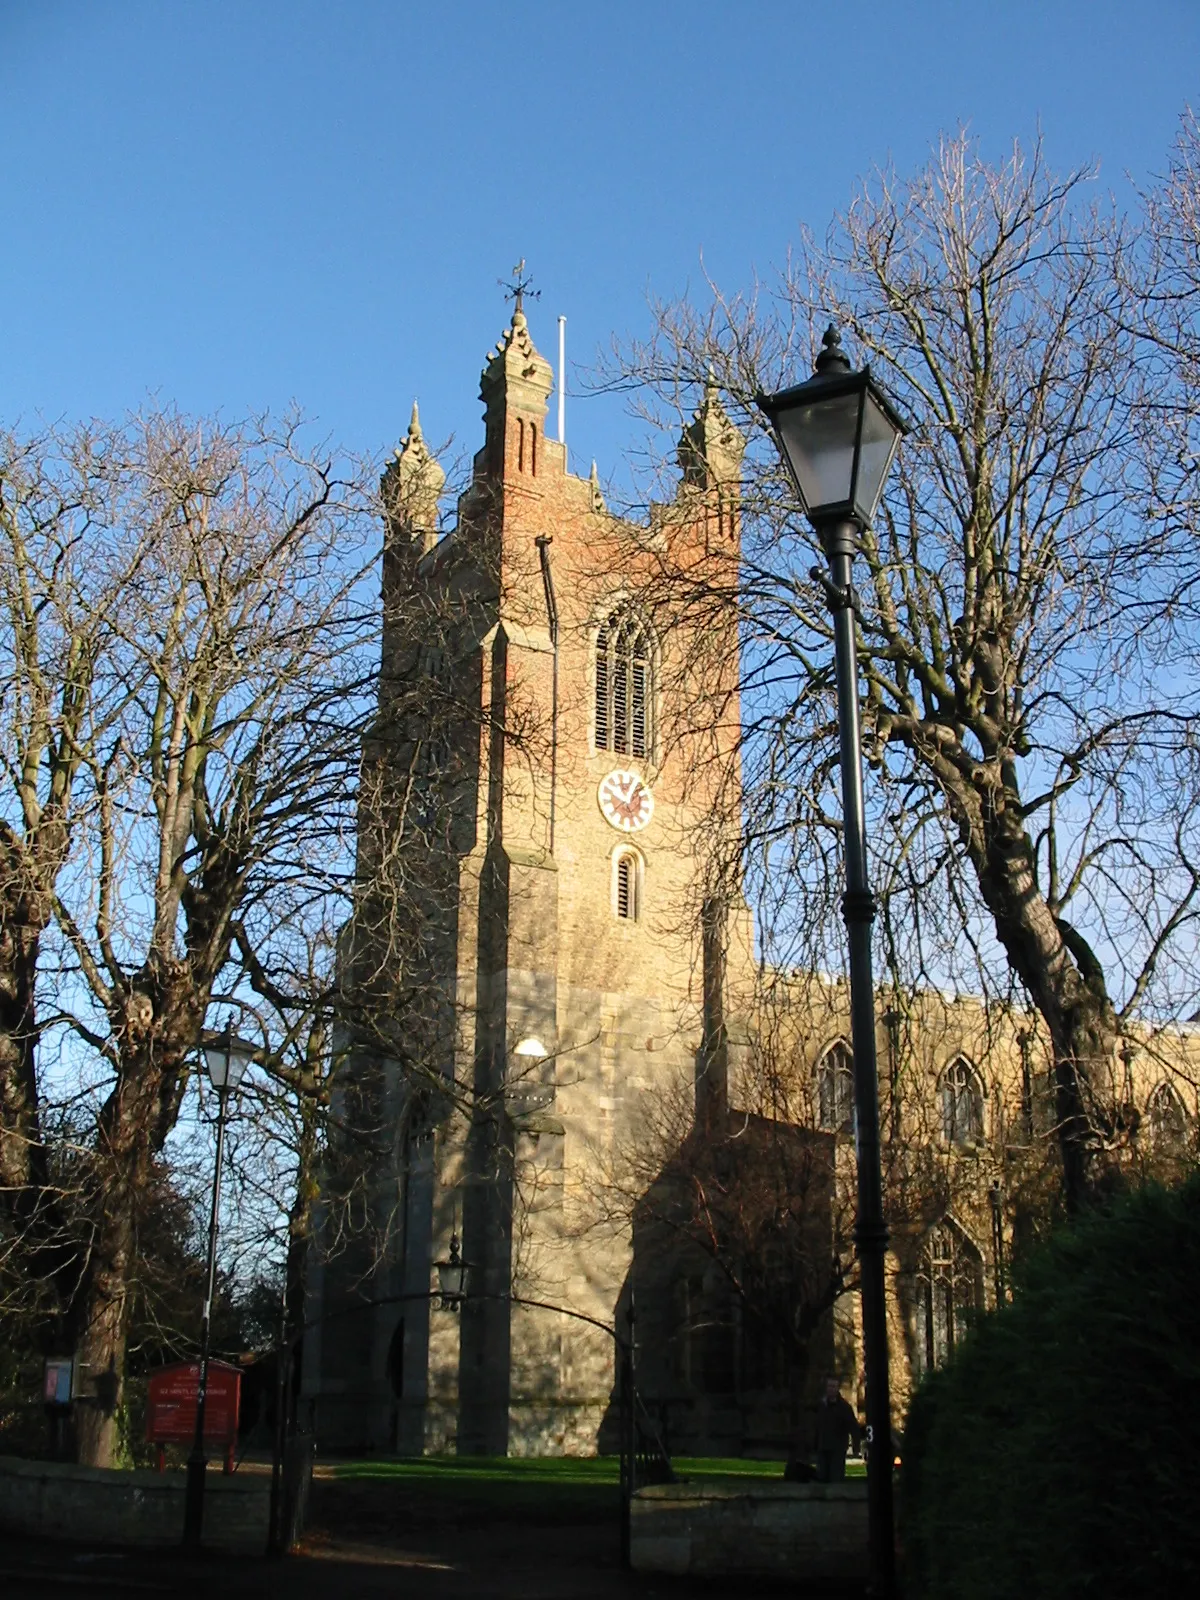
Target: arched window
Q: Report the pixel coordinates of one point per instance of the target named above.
(949, 1290)
(962, 1104)
(624, 686)
(835, 1089)
(1168, 1120)
(627, 885)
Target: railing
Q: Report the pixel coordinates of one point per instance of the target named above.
(644, 1457)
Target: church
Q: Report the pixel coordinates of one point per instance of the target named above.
(578, 965)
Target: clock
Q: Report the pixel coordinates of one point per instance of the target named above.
(625, 800)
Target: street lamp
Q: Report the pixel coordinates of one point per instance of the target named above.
(452, 1277)
(838, 434)
(226, 1058)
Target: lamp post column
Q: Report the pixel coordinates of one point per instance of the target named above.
(858, 908)
(197, 1467)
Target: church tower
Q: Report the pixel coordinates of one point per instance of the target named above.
(574, 940)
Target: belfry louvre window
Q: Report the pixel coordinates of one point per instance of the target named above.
(624, 686)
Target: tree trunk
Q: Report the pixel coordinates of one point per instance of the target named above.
(22, 1158)
(156, 1022)
(102, 1330)
(300, 1218)
(1065, 982)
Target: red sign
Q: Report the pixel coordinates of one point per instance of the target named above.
(56, 1385)
(171, 1404)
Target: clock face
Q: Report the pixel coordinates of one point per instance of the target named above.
(625, 800)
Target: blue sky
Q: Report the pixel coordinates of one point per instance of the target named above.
(236, 205)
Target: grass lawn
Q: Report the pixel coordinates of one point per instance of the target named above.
(373, 1498)
(471, 1489)
(536, 1473)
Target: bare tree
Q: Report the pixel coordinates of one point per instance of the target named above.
(1035, 774)
(64, 573)
(1162, 276)
(224, 784)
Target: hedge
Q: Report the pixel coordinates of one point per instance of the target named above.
(1058, 1452)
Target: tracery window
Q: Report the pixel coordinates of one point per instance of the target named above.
(949, 1291)
(962, 1104)
(1168, 1120)
(624, 685)
(835, 1088)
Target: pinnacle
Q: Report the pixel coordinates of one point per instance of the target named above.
(712, 397)
(598, 503)
(516, 356)
(516, 334)
(413, 443)
(710, 444)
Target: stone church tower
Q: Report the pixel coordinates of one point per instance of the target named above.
(550, 948)
(577, 967)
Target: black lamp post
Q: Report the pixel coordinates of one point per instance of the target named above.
(226, 1061)
(838, 433)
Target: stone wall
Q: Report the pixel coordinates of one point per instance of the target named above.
(795, 1530)
(50, 1500)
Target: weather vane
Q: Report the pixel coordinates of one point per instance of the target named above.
(521, 285)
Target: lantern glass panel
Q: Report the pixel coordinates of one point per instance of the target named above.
(819, 440)
(450, 1278)
(227, 1061)
(879, 439)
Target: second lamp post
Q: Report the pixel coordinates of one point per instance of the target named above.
(226, 1059)
(838, 433)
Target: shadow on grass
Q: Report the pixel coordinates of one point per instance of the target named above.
(377, 1492)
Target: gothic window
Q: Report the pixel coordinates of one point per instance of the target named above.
(624, 686)
(706, 1335)
(835, 1089)
(432, 663)
(1168, 1120)
(627, 885)
(688, 1295)
(949, 1291)
(962, 1104)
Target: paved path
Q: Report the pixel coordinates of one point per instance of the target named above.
(483, 1567)
(375, 1538)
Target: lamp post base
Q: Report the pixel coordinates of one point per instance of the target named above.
(193, 1505)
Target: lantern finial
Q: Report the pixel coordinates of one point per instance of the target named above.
(832, 357)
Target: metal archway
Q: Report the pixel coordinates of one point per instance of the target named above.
(641, 1452)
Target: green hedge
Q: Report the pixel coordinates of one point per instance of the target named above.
(1058, 1453)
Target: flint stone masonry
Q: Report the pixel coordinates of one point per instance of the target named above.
(795, 1530)
(145, 1509)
